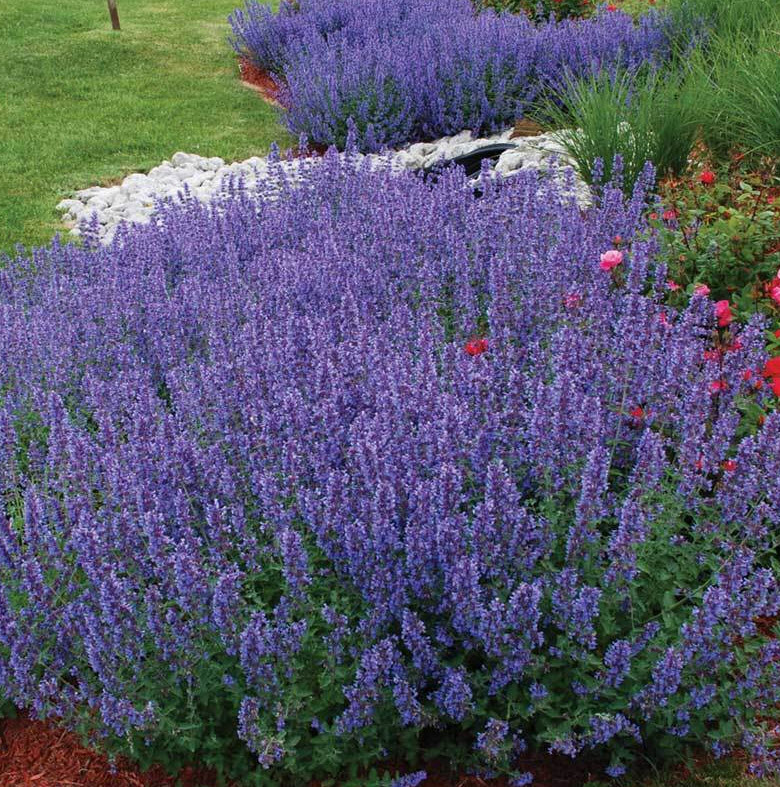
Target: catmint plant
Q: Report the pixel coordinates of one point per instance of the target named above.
(309, 479)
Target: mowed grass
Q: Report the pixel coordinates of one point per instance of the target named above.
(81, 104)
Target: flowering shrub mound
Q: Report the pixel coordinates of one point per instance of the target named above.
(725, 231)
(294, 486)
(402, 69)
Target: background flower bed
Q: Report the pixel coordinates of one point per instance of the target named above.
(404, 70)
(382, 470)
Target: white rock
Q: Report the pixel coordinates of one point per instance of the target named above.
(209, 179)
(109, 194)
(181, 159)
(139, 217)
(421, 149)
(135, 182)
(549, 145)
(161, 171)
(462, 149)
(166, 184)
(408, 160)
(510, 161)
(72, 206)
(92, 191)
(131, 206)
(463, 136)
(97, 203)
(432, 158)
(184, 173)
(213, 164)
(198, 178)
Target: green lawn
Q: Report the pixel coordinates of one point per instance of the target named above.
(81, 104)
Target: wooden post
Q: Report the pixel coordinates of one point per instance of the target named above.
(114, 14)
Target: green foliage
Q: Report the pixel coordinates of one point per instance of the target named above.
(561, 9)
(735, 68)
(745, 19)
(646, 117)
(199, 706)
(726, 236)
(738, 81)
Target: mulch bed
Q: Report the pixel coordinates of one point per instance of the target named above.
(259, 80)
(262, 82)
(39, 754)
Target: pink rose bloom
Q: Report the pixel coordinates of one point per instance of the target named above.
(572, 300)
(723, 313)
(775, 294)
(701, 289)
(672, 285)
(610, 259)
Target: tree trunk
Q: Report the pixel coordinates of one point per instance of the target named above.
(114, 14)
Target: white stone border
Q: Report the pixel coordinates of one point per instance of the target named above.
(134, 200)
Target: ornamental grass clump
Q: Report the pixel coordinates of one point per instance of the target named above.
(638, 116)
(372, 469)
(402, 70)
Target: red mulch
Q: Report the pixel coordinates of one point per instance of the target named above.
(259, 80)
(264, 84)
(39, 754)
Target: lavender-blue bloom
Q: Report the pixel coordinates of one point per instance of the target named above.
(248, 439)
(391, 70)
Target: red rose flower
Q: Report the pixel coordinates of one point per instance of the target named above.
(772, 367)
(707, 177)
(772, 371)
(723, 313)
(729, 465)
(476, 346)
